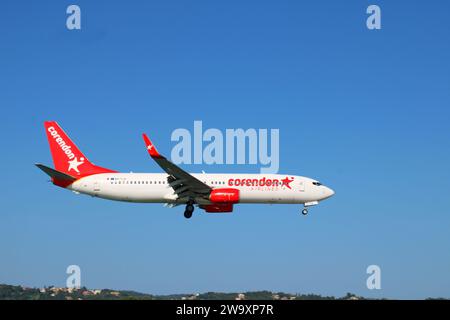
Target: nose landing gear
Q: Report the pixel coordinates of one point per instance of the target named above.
(308, 204)
(189, 210)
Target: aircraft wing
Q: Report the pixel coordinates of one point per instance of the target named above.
(184, 184)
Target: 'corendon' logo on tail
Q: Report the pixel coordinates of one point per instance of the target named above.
(73, 163)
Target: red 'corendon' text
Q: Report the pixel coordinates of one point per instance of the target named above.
(62, 144)
(263, 182)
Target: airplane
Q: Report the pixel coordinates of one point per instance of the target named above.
(214, 193)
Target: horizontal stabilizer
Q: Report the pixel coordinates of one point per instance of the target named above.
(54, 174)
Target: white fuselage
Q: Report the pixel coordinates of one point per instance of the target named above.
(154, 188)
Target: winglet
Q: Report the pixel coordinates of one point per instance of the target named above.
(150, 147)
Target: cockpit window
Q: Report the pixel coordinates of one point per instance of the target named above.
(316, 183)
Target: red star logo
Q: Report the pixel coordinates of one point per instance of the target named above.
(286, 182)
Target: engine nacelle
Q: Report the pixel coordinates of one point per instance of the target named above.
(228, 207)
(224, 195)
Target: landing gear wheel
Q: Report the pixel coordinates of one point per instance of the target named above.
(304, 212)
(189, 210)
(188, 214)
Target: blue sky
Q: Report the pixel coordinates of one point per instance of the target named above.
(366, 112)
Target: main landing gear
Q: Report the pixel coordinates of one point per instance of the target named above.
(189, 210)
(305, 212)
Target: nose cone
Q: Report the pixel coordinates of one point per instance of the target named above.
(328, 192)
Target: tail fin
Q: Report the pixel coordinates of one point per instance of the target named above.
(67, 158)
